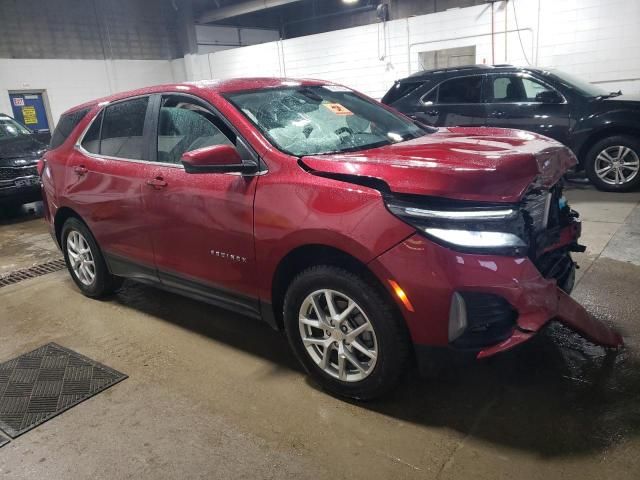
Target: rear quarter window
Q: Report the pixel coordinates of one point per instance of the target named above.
(399, 90)
(65, 126)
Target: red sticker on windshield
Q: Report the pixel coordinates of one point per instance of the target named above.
(338, 109)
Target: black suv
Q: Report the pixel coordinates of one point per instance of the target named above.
(602, 128)
(20, 150)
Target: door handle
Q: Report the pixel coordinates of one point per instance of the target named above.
(498, 114)
(80, 170)
(432, 113)
(157, 183)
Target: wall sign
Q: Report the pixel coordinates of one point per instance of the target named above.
(29, 115)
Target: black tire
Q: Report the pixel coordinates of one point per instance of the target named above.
(104, 283)
(627, 141)
(390, 331)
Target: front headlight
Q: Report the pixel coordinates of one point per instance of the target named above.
(470, 238)
(466, 226)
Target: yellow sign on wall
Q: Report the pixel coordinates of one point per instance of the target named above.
(29, 115)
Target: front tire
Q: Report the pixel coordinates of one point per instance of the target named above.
(85, 262)
(613, 164)
(345, 332)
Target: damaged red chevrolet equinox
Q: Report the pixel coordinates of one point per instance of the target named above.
(367, 237)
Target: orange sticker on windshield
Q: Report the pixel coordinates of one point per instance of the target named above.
(338, 109)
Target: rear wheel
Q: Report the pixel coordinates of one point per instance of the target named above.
(85, 261)
(345, 332)
(613, 164)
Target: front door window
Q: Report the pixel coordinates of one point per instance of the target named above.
(184, 126)
(515, 89)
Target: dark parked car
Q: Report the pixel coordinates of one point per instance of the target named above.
(322, 212)
(602, 128)
(20, 151)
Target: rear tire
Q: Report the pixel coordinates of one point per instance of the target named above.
(613, 164)
(361, 365)
(85, 262)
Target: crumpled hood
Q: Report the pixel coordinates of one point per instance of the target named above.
(481, 164)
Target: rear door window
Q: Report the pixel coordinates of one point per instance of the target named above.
(122, 129)
(461, 90)
(65, 126)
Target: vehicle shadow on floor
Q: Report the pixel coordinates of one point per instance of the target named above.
(557, 395)
(11, 215)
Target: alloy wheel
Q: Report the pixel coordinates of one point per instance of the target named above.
(81, 258)
(337, 335)
(617, 165)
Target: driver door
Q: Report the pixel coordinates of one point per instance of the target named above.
(201, 225)
(514, 101)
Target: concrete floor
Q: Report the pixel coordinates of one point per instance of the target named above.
(214, 395)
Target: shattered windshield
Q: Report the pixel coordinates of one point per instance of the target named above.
(322, 119)
(9, 128)
(583, 87)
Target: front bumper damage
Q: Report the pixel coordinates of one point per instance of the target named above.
(567, 311)
(430, 275)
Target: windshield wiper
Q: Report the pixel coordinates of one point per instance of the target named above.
(609, 95)
(356, 148)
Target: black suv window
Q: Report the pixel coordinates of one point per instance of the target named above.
(431, 97)
(399, 90)
(461, 90)
(185, 125)
(514, 88)
(119, 130)
(65, 126)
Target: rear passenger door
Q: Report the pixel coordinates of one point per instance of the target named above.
(516, 100)
(107, 177)
(454, 102)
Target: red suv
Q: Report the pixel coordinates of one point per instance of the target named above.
(367, 237)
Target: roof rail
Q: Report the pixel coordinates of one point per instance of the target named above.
(459, 68)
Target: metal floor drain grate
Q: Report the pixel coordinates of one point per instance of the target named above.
(37, 386)
(3, 440)
(32, 272)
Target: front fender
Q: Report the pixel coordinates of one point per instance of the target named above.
(319, 211)
(598, 125)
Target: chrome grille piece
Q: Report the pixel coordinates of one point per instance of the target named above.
(10, 173)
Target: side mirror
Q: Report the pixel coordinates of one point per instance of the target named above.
(216, 159)
(549, 96)
(44, 137)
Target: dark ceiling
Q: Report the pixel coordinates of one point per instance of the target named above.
(306, 17)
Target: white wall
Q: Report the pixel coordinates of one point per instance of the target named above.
(71, 82)
(595, 39)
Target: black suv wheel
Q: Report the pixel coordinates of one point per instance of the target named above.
(613, 163)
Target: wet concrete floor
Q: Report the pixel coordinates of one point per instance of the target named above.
(212, 394)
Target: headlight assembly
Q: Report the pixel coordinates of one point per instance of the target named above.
(466, 226)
